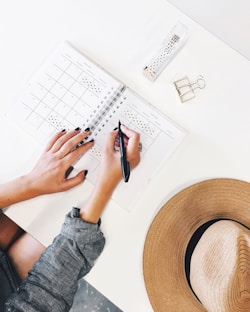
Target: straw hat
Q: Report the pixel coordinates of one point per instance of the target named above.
(197, 250)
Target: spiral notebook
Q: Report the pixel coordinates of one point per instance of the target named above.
(69, 91)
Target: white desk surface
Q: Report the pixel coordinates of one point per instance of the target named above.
(120, 35)
(229, 20)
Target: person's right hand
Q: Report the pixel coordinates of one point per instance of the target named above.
(111, 173)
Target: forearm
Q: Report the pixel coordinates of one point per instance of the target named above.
(16, 190)
(52, 282)
(93, 208)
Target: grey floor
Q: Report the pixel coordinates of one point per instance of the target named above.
(88, 299)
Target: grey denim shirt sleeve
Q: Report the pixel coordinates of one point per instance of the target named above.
(51, 284)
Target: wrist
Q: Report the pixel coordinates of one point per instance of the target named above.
(108, 184)
(92, 209)
(27, 187)
(16, 191)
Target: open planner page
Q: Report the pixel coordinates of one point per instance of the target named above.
(70, 91)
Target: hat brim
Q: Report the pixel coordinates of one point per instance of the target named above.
(171, 230)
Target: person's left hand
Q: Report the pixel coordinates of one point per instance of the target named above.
(48, 175)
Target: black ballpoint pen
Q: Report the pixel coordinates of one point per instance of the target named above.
(124, 162)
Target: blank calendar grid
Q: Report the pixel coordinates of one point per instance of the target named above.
(62, 98)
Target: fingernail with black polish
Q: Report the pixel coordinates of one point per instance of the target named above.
(68, 171)
(87, 129)
(115, 128)
(78, 128)
(85, 173)
(63, 130)
(92, 140)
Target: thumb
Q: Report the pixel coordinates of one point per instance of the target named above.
(110, 141)
(74, 181)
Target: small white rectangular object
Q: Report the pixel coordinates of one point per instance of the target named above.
(170, 47)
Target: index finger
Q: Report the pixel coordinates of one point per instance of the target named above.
(133, 136)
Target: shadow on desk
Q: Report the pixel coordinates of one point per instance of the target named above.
(88, 299)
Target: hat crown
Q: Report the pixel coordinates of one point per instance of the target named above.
(220, 268)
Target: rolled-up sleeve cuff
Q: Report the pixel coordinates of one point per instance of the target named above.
(79, 230)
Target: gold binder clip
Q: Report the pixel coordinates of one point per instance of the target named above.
(185, 88)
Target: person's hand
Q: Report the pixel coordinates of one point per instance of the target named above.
(48, 175)
(111, 172)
